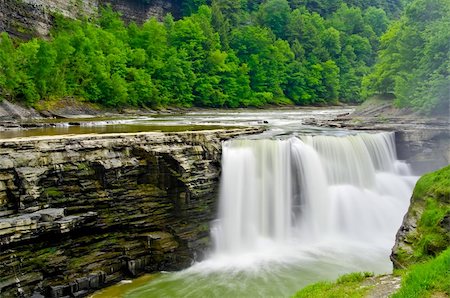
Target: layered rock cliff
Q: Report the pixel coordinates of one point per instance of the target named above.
(29, 18)
(80, 212)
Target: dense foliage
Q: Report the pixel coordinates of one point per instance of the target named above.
(414, 61)
(228, 54)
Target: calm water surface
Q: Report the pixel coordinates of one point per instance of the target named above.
(280, 121)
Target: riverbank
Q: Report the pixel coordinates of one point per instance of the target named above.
(377, 114)
(380, 114)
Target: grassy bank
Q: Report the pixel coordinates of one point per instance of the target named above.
(428, 279)
(349, 285)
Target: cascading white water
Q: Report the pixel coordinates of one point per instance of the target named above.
(296, 211)
(252, 178)
(310, 189)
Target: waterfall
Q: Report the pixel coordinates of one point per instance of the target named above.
(310, 189)
(296, 211)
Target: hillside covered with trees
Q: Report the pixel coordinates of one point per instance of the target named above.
(414, 60)
(229, 53)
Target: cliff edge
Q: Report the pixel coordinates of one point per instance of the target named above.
(80, 212)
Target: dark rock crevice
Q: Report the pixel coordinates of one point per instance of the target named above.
(87, 211)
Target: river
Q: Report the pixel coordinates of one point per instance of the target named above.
(279, 122)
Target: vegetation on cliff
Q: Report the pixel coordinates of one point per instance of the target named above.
(229, 54)
(426, 279)
(423, 251)
(427, 224)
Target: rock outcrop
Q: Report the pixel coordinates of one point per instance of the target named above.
(425, 231)
(80, 212)
(29, 18)
(426, 147)
(10, 112)
(139, 11)
(422, 141)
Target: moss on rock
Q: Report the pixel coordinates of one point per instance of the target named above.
(425, 231)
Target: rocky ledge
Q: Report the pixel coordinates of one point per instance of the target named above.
(423, 141)
(78, 213)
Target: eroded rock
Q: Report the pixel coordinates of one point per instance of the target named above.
(85, 211)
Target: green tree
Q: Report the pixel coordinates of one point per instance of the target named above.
(274, 14)
(9, 73)
(377, 19)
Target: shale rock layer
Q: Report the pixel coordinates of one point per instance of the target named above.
(80, 212)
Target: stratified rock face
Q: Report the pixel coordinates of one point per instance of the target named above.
(80, 212)
(139, 11)
(29, 18)
(426, 148)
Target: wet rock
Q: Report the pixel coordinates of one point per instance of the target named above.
(87, 211)
(161, 241)
(33, 225)
(51, 214)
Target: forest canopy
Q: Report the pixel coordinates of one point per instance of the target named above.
(229, 53)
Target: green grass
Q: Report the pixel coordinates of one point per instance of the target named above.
(423, 280)
(435, 185)
(419, 281)
(433, 237)
(346, 286)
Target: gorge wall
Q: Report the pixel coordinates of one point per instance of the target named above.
(426, 148)
(80, 212)
(29, 18)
